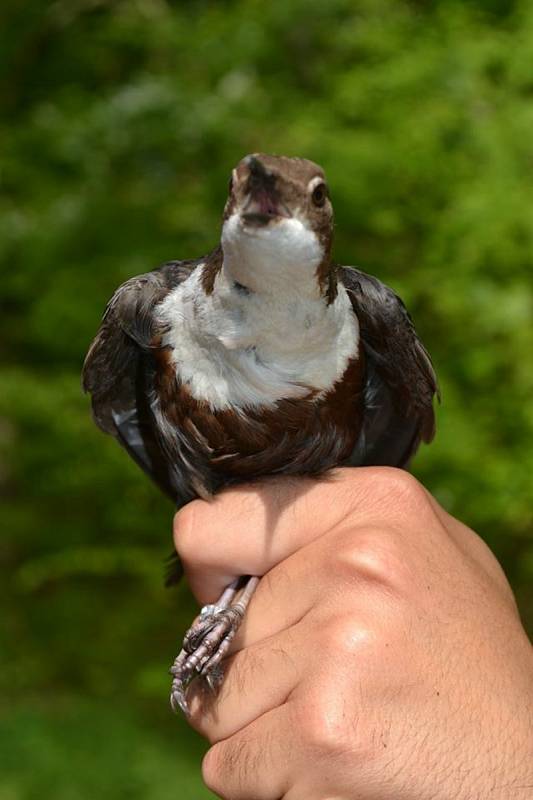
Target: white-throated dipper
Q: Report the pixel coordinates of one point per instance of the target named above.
(264, 357)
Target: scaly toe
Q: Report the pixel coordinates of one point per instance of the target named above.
(205, 644)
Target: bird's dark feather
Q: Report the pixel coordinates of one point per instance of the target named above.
(400, 380)
(119, 372)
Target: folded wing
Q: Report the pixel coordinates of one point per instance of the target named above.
(400, 379)
(119, 373)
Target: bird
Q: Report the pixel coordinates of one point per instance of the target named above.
(264, 357)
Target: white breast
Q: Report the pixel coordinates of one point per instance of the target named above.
(236, 350)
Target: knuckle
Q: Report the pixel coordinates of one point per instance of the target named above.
(391, 486)
(324, 725)
(346, 636)
(374, 555)
(332, 727)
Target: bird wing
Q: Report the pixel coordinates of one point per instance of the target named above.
(119, 372)
(400, 379)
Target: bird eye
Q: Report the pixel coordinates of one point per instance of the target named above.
(319, 194)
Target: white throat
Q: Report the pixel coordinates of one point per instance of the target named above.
(237, 349)
(281, 257)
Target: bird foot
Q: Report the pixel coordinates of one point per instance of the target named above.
(205, 644)
(208, 640)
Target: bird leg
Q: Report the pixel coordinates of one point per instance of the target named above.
(208, 640)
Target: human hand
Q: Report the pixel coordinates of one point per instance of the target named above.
(381, 657)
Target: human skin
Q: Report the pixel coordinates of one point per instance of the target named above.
(381, 658)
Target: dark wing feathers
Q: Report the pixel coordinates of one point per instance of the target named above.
(400, 380)
(119, 371)
(109, 371)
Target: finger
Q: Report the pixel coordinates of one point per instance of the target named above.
(256, 680)
(252, 762)
(248, 529)
(286, 594)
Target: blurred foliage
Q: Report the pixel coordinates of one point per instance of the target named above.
(121, 120)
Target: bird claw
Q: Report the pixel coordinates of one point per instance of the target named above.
(205, 644)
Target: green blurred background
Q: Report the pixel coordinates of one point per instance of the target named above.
(120, 124)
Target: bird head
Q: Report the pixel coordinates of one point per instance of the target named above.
(278, 224)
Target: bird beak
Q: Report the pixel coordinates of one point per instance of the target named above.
(263, 204)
